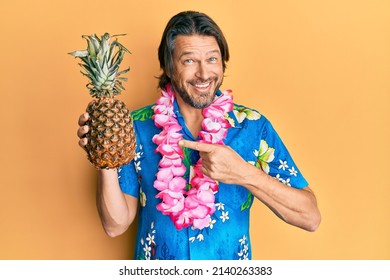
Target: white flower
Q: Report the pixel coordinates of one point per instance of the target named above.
(150, 238)
(293, 171)
(224, 216)
(220, 206)
(244, 248)
(147, 250)
(142, 241)
(192, 239)
(212, 222)
(284, 181)
(200, 237)
(283, 165)
(242, 240)
(137, 165)
(138, 156)
(152, 226)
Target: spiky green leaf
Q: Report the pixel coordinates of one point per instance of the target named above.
(101, 63)
(81, 54)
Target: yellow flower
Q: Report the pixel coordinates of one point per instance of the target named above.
(264, 156)
(142, 198)
(242, 113)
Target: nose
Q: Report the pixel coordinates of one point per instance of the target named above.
(203, 72)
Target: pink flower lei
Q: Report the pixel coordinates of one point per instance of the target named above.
(196, 205)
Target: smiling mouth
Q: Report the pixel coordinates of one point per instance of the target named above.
(202, 85)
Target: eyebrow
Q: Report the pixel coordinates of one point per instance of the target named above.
(209, 52)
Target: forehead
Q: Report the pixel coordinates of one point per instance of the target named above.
(195, 44)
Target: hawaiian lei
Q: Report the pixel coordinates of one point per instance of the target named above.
(196, 205)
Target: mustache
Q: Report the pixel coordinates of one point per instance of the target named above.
(201, 81)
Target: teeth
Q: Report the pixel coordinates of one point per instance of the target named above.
(202, 85)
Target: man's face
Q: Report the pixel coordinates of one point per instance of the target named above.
(197, 69)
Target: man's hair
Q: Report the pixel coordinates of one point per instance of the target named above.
(187, 23)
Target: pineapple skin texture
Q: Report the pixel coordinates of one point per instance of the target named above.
(111, 138)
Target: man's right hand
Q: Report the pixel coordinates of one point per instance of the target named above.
(83, 129)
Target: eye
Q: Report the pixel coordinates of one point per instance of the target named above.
(188, 61)
(213, 59)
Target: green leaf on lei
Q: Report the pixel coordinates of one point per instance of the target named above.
(187, 160)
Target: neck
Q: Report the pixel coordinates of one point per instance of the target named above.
(192, 116)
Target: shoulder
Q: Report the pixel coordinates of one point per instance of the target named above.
(143, 114)
(242, 115)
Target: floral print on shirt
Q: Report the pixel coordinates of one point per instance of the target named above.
(227, 236)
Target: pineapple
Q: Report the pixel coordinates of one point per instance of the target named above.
(111, 140)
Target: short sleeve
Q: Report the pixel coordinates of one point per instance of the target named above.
(128, 179)
(277, 161)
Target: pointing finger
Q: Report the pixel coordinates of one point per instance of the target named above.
(201, 147)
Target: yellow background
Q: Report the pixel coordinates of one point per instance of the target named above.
(319, 70)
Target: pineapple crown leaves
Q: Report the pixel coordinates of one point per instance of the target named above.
(101, 61)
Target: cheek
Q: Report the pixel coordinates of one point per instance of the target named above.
(217, 70)
(183, 75)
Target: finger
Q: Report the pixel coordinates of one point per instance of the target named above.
(201, 147)
(83, 142)
(82, 131)
(83, 119)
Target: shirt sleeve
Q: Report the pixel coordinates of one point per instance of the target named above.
(128, 179)
(277, 161)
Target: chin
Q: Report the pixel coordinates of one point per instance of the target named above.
(202, 101)
(195, 97)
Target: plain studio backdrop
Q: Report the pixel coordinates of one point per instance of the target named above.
(319, 70)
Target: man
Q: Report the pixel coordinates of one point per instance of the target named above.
(200, 159)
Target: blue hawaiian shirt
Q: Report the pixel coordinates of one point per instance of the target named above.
(227, 237)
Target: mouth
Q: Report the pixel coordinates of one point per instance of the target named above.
(202, 87)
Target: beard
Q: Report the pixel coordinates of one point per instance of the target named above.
(204, 99)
